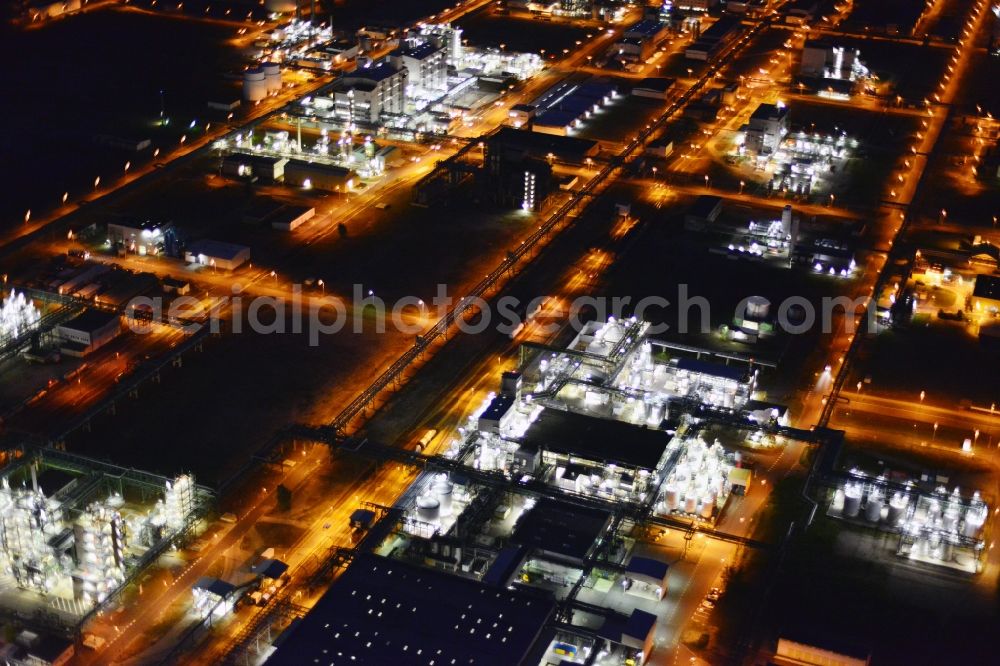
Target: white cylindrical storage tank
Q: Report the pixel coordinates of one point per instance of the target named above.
(428, 508)
(975, 518)
(949, 521)
(897, 506)
(272, 74)
(838, 500)
(690, 504)
(706, 509)
(443, 489)
(852, 501)
(254, 84)
(671, 497)
(757, 307)
(873, 510)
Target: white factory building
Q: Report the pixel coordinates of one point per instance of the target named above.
(370, 94)
(767, 127)
(223, 256)
(88, 332)
(426, 67)
(139, 237)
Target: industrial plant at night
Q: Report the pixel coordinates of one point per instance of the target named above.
(593, 332)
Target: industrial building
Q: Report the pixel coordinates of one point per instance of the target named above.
(407, 614)
(639, 41)
(767, 127)
(217, 254)
(290, 218)
(74, 531)
(371, 94)
(654, 88)
(834, 71)
(712, 41)
(566, 106)
(704, 212)
(318, 176)
(986, 295)
(264, 168)
(87, 332)
(426, 67)
(142, 237)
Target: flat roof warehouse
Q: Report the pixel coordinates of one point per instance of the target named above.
(390, 612)
(597, 439)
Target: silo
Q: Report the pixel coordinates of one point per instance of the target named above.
(671, 497)
(428, 508)
(852, 500)
(443, 489)
(272, 74)
(757, 308)
(975, 518)
(254, 84)
(708, 505)
(949, 521)
(897, 506)
(873, 510)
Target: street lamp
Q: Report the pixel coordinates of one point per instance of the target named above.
(742, 185)
(322, 285)
(935, 431)
(275, 276)
(922, 395)
(706, 180)
(97, 182)
(127, 165)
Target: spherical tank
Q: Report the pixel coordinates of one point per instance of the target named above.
(272, 74)
(254, 84)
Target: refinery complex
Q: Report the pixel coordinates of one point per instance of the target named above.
(573, 332)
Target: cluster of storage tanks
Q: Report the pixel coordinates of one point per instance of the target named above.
(939, 512)
(261, 81)
(437, 500)
(699, 482)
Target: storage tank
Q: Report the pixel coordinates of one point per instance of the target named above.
(757, 307)
(949, 521)
(852, 500)
(272, 74)
(254, 84)
(838, 500)
(443, 490)
(897, 507)
(708, 505)
(671, 497)
(873, 510)
(690, 504)
(428, 508)
(975, 518)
